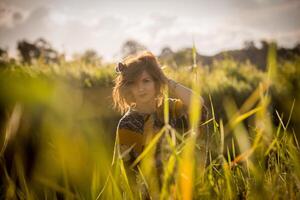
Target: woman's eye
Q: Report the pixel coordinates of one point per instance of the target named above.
(129, 82)
(146, 80)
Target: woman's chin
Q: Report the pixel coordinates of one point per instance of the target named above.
(144, 101)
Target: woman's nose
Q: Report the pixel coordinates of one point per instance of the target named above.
(140, 87)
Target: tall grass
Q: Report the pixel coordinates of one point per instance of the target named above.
(258, 160)
(49, 152)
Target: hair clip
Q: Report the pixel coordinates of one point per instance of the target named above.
(120, 67)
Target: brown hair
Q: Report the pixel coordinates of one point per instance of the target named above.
(129, 69)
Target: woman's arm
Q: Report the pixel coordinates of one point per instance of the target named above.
(183, 93)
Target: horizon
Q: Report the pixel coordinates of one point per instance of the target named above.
(73, 27)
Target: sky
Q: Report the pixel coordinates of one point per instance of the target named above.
(73, 26)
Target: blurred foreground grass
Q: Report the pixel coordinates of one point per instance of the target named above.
(58, 126)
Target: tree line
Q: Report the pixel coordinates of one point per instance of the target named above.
(42, 50)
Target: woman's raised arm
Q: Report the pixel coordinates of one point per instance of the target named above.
(183, 93)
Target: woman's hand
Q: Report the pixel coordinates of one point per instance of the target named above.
(181, 92)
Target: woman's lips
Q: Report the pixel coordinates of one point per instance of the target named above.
(142, 95)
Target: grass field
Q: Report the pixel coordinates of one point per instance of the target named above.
(58, 126)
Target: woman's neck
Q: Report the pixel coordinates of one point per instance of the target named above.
(146, 108)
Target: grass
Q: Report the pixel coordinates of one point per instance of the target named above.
(48, 152)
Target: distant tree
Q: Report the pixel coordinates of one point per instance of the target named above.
(47, 52)
(184, 57)
(131, 47)
(264, 44)
(90, 56)
(3, 53)
(3, 57)
(166, 52)
(28, 51)
(166, 57)
(40, 49)
(297, 47)
(249, 45)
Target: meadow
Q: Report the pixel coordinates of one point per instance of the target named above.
(58, 130)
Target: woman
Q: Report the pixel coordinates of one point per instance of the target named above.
(138, 92)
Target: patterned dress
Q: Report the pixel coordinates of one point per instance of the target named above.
(136, 129)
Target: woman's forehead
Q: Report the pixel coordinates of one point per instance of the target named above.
(143, 75)
(139, 76)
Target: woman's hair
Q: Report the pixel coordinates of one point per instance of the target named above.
(129, 69)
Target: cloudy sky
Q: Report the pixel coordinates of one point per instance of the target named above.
(73, 26)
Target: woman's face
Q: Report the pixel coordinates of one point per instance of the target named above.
(143, 89)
